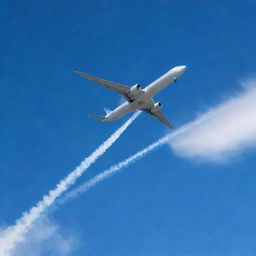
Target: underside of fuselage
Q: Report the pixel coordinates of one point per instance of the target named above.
(138, 104)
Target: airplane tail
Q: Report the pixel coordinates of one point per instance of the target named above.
(101, 118)
(107, 110)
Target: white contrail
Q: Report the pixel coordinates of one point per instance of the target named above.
(206, 136)
(16, 233)
(118, 167)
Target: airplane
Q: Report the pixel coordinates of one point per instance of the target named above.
(136, 97)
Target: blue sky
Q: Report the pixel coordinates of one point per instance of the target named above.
(164, 204)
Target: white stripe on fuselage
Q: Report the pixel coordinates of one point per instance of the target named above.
(146, 98)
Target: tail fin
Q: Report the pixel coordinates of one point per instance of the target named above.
(101, 118)
(107, 110)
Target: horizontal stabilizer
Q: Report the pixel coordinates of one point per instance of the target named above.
(101, 118)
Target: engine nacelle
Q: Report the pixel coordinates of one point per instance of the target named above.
(135, 88)
(156, 107)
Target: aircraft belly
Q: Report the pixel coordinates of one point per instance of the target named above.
(120, 111)
(159, 84)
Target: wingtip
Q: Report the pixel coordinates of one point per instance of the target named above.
(77, 72)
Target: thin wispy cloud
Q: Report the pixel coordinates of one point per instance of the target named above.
(16, 233)
(222, 132)
(47, 238)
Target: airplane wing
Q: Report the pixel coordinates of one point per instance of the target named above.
(119, 88)
(158, 115)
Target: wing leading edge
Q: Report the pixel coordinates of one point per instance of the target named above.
(159, 115)
(119, 88)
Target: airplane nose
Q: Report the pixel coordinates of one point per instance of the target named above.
(183, 68)
(178, 71)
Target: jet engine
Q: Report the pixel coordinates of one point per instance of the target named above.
(156, 107)
(135, 88)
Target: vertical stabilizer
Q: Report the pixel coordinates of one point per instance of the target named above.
(107, 110)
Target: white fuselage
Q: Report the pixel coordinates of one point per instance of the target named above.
(144, 99)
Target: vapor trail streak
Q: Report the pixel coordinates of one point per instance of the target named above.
(16, 233)
(205, 136)
(118, 167)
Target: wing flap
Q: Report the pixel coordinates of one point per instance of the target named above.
(159, 115)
